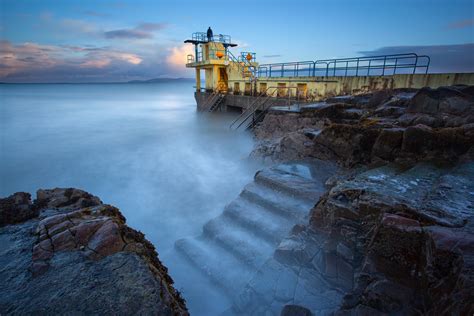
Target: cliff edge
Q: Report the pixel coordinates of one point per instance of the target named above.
(67, 252)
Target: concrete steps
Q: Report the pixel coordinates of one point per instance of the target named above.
(234, 245)
(219, 266)
(283, 204)
(244, 245)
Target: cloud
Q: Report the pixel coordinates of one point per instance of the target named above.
(461, 24)
(78, 25)
(271, 56)
(149, 27)
(128, 33)
(98, 63)
(177, 56)
(95, 14)
(444, 58)
(142, 31)
(30, 62)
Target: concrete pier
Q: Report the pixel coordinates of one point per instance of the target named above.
(310, 89)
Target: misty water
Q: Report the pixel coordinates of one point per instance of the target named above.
(140, 147)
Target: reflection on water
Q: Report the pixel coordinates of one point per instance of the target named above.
(140, 147)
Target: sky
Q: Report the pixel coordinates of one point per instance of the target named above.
(122, 40)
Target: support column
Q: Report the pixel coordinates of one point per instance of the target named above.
(215, 77)
(198, 80)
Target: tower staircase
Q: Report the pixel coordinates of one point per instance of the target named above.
(214, 101)
(245, 67)
(256, 111)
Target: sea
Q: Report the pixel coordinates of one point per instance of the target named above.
(141, 147)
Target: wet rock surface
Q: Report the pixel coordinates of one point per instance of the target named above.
(241, 241)
(77, 255)
(388, 240)
(16, 208)
(402, 126)
(394, 234)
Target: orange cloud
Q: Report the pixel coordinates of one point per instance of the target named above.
(178, 55)
(99, 63)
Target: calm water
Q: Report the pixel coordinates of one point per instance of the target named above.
(140, 147)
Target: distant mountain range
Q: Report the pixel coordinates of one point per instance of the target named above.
(155, 80)
(158, 80)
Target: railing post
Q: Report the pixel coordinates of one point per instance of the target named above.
(282, 70)
(384, 62)
(357, 68)
(416, 63)
(395, 67)
(368, 69)
(347, 65)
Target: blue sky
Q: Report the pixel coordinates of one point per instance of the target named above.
(82, 41)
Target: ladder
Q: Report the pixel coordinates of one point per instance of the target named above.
(256, 111)
(250, 113)
(214, 101)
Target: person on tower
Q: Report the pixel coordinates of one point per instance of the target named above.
(210, 35)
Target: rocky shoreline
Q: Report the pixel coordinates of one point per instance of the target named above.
(367, 209)
(394, 234)
(68, 253)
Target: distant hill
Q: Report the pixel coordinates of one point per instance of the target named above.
(158, 80)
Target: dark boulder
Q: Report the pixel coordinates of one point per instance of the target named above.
(442, 100)
(295, 310)
(17, 208)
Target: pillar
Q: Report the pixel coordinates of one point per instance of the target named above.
(198, 80)
(215, 77)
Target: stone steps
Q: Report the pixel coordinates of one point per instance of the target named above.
(234, 245)
(261, 221)
(296, 180)
(283, 204)
(221, 267)
(243, 244)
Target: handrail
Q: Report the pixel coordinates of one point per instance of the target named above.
(253, 107)
(251, 68)
(202, 37)
(210, 99)
(354, 66)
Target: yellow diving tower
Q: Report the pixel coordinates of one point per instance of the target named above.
(223, 70)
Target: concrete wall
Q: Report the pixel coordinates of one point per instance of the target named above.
(317, 88)
(235, 102)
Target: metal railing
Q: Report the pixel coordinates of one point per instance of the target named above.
(259, 105)
(202, 37)
(245, 67)
(383, 65)
(243, 56)
(292, 69)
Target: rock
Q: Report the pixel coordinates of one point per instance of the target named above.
(16, 208)
(106, 240)
(412, 238)
(295, 310)
(418, 139)
(367, 129)
(84, 256)
(65, 199)
(388, 144)
(444, 99)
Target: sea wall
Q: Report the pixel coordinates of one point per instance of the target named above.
(318, 88)
(310, 89)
